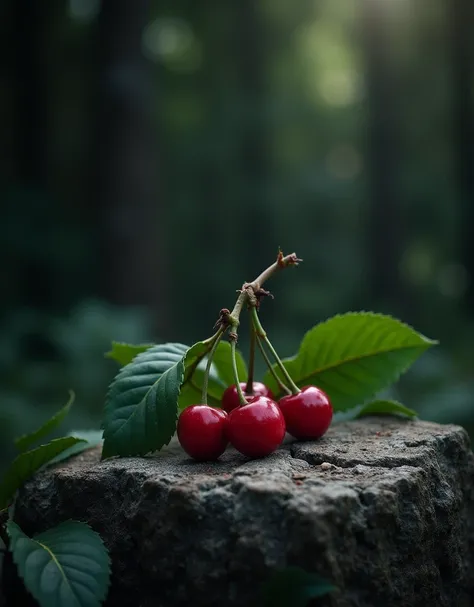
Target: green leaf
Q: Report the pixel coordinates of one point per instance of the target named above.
(124, 353)
(67, 565)
(90, 438)
(24, 442)
(195, 362)
(293, 587)
(29, 462)
(385, 407)
(141, 406)
(223, 363)
(193, 356)
(354, 356)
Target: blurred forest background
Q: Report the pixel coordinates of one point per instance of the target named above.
(155, 154)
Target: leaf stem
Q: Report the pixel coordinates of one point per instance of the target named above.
(217, 338)
(281, 385)
(253, 339)
(262, 334)
(211, 340)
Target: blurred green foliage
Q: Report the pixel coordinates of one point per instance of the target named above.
(270, 123)
(72, 350)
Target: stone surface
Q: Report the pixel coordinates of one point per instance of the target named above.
(383, 508)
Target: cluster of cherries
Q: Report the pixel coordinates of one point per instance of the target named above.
(257, 428)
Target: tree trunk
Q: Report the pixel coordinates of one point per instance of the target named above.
(27, 77)
(28, 161)
(126, 164)
(385, 229)
(462, 55)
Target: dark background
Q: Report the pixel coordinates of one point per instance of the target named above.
(155, 154)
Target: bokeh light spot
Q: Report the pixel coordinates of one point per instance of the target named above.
(84, 10)
(173, 43)
(344, 162)
(452, 280)
(417, 265)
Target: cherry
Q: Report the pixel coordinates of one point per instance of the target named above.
(256, 429)
(308, 414)
(201, 432)
(230, 398)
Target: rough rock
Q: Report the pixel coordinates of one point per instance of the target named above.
(383, 508)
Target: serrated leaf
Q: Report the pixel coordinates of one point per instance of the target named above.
(91, 438)
(29, 462)
(385, 407)
(354, 356)
(67, 565)
(24, 442)
(141, 407)
(124, 353)
(194, 355)
(223, 363)
(293, 587)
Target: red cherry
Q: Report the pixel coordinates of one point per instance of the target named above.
(201, 432)
(230, 398)
(308, 414)
(256, 429)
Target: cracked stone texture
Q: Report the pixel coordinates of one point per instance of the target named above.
(384, 508)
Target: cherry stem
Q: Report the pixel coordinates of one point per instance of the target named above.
(249, 294)
(233, 345)
(262, 334)
(283, 261)
(237, 309)
(217, 338)
(253, 337)
(281, 385)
